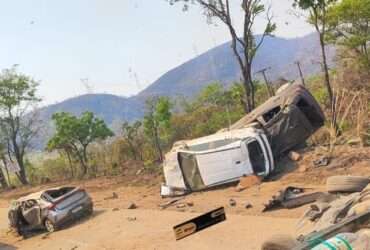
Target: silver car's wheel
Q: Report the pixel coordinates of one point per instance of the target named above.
(49, 225)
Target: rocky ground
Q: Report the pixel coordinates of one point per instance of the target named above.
(113, 226)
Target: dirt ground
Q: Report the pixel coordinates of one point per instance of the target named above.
(113, 226)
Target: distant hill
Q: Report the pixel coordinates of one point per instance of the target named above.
(106, 106)
(217, 64)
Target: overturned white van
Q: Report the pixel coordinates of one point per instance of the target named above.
(217, 159)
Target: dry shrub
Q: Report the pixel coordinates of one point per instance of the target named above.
(352, 116)
(321, 137)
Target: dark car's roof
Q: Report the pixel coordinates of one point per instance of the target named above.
(289, 95)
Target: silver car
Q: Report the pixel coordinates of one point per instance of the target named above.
(49, 209)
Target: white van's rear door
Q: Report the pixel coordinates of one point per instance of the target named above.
(223, 165)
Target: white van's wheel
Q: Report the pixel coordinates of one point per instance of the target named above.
(49, 225)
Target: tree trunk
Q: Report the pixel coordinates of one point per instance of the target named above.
(249, 91)
(132, 149)
(158, 145)
(326, 69)
(6, 169)
(18, 153)
(22, 172)
(84, 167)
(332, 101)
(84, 160)
(3, 182)
(70, 163)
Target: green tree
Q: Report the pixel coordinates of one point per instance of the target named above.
(4, 156)
(157, 122)
(132, 135)
(349, 25)
(244, 46)
(223, 99)
(215, 107)
(318, 17)
(74, 134)
(19, 123)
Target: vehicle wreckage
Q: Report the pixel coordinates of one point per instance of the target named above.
(248, 147)
(49, 209)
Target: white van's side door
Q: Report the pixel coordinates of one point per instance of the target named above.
(222, 165)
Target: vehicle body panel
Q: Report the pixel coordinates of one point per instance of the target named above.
(288, 118)
(217, 159)
(59, 205)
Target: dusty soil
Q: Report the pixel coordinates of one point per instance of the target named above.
(114, 227)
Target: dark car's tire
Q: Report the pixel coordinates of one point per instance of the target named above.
(346, 183)
(90, 211)
(50, 226)
(279, 242)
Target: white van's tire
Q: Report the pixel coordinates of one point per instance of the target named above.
(279, 242)
(346, 183)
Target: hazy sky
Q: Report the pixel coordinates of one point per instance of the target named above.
(120, 46)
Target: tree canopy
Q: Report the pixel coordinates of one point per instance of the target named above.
(349, 25)
(244, 45)
(157, 122)
(19, 124)
(74, 135)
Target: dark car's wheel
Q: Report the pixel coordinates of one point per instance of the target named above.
(50, 226)
(89, 210)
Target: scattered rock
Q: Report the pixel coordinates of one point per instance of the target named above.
(132, 206)
(139, 171)
(247, 182)
(131, 218)
(322, 161)
(190, 203)
(248, 205)
(302, 168)
(232, 202)
(294, 156)
(114, 196)
(181, 205)
(115, 209)
(75, 247)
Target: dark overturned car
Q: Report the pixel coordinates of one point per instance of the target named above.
(289, 118)
(49, 209)
(248, 147)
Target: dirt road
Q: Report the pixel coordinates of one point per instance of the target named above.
(150, 229)
(147, 227)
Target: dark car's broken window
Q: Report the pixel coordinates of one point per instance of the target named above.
(256, 157)
(271, 114)
(59, 192)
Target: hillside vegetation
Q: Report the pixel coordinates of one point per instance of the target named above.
(83, 145)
